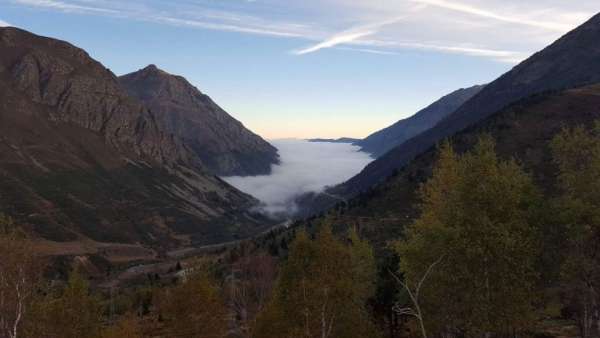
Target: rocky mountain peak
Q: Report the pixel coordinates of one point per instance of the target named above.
(222, 142)
(80, 157)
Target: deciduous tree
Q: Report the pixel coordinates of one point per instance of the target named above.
(320, 292)
(250, 286)
(194, 308)
(72, 312)
(20, 274)
(577, 153)
(476, 214)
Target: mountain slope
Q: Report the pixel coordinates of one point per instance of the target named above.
(225, 146)
(572, 61)
(80, 158)
(386, 139)
(522, 131)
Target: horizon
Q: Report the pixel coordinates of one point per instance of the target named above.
(295, 71)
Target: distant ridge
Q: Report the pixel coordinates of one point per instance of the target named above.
(331, 140)
(571, 61)
(386, 139)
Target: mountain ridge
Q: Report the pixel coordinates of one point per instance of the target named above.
(571, 61)
(80, 158)
(380, 142)
(223, 144)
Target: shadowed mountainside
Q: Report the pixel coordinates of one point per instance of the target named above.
(80, 158)
(386, 139)
(572, 61)
(223, 144)
(522, 131)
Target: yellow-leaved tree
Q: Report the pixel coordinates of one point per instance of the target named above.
(576, 151)
(72, 312)
(194, 307)
(20, 275)
(468, 260)
(322, 290)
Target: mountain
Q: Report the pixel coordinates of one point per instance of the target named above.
(522, 131)
(336, 140)
(223, 144)
(80, 159)
(386, 139)
(572, 61)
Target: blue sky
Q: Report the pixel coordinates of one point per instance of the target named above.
(310, 68)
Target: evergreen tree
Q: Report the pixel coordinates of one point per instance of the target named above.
(476, 222)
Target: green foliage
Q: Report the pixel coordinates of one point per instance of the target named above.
(475, 217)
(322, 290)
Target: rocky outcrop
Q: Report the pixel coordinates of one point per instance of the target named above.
(81, 158)
(223, 144)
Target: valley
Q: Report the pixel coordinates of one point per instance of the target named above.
(135, 205)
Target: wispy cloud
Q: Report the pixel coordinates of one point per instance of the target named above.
(475, 29)
(369, 51)
(4, 24)
(64, 6)
(197, 18)
(498, 55)
(459, 7)
(271, 31)
(348, 36)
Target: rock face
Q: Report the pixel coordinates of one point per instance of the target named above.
(572, 61)
(386, 139)
(223, 144)
(80, 158)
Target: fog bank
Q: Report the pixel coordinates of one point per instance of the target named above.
(305, 167)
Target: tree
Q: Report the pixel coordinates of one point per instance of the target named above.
(20, 274)
(414, 296)
(577, 154)
(364, 269)
(320, 292)
(476, 213)
(71, 313)
(194, 308)
(250, 287)
(127, 327)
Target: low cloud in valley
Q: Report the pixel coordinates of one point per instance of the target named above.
(305, 167)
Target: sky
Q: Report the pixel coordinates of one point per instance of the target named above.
(310, 68)
(305, 167)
